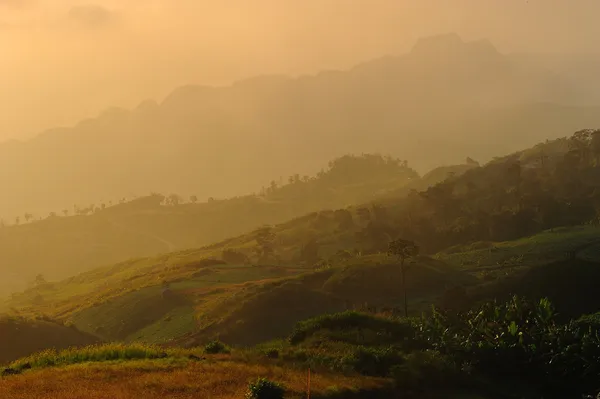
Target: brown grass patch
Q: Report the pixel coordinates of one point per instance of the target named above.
(149, 380)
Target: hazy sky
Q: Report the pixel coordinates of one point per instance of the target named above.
(62, 60)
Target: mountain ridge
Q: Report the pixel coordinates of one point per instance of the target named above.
(195, 139)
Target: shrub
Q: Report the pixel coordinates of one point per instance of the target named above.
(233, 256)
(272, 353)
(204, 263)
(265, 389)
(520, 339)
(215, 347)
(424, 369)
(372, 361)
(397, 329)
(335, 392)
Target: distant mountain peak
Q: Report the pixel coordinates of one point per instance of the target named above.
(436, 43)
(451, 43)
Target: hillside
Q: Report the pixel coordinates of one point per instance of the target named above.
(21, 337)
(135, 371)
(206, 298)
(97, 235)
(518, 230)
(472, 354)
(195, 141)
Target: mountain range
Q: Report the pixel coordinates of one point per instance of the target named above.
(443, 101)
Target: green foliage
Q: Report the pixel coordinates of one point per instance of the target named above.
(519, 339)
(215, 347)
(263, 388)
(505, 342)
(589, 322)
(403, 249)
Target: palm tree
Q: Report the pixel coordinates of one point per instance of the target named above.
(403, 250)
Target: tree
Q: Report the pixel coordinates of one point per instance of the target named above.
(174, 199)
(310, 251)
(364, 214)
(265, 238)
(595, 146)
(193, 199)
(40, 279)
(403, 250)
(380, 213)
(272, 187)
(470, 161)
(27, 217)
(344, 219)
(66, 212)
(374, 235)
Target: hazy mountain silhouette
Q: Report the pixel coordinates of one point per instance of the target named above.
(443, 101)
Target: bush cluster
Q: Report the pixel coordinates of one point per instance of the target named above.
(520, 340)
(263, 388)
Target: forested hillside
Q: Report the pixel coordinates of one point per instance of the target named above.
(550, 185)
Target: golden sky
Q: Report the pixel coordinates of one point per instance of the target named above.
(63, 60)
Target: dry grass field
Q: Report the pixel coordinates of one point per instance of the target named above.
(147, 379)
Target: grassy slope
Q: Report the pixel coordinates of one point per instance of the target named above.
(537, 266)
(270, 311)
(59, 247)
(21, 337)
(124, 302)
(238, 302)
(538, 249)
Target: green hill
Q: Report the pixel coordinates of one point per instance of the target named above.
(206, 298)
